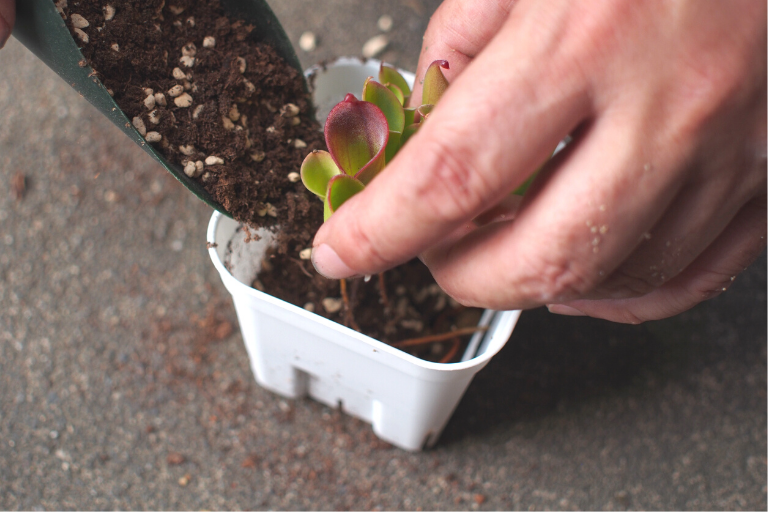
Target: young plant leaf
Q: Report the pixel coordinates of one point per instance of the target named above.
(423, 112)
(382, 97)
(397, 92)
(356, 134)
(408, 132)
(435, 83)
(340, 188)
(410, 115)
(389, 75)
(317, 170)
(393, 145)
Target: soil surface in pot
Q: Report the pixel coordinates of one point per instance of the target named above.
(412, 307)
(236, 117)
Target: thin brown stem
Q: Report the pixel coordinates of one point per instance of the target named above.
(412, 342)
(447, 358)
(349, 319)
(383, 292)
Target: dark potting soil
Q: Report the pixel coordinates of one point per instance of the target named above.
(237, 118)
(413, 305)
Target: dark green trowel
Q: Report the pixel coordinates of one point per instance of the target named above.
(41, 29)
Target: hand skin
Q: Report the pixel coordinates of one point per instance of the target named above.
(657, 203)
(7, 17)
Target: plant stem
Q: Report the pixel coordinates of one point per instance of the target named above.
(451, 352)
(349, 319)
(412, 342)
(383, 292)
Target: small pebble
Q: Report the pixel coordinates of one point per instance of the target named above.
(249, 87)
(187, 61)
(109, 13)
(139, 125)
(153, 137)
(271, 210)
(175, 91)
(184, 481)
(191, 21)
(199, 167)
(385, 23)
(183, 101)
(187, 150)
(332, 305)
(258, 156)
(189, 50)
(149, 102)
(190, 169)
(160, 99)
(241, 65)
(299, 144)
(375, 46)
(178, 74)
(148, 90)
(234, 114)
(214, 160)
(295, 121)
(82, 35)
(198, 110)
(308, 41)
(227, 122)
(78, 21)
(305, 254)
(209, 42)
(289, 110)
(309, 306)
(115, 47)
(154, 117)
(293, 177)
(176, 9)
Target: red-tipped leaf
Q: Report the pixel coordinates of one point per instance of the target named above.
(356, 133)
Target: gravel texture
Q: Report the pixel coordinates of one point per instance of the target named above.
(124, 382)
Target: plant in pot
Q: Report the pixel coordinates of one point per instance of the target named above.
(295, 352)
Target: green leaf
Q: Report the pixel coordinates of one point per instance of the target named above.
(389, 75)
(317, 170)
(382, 97)
(423, 112)
(408, 132)
(397, 92)
(393, 146)
(435, 83)
(340, 188)
(410, 115)
(356, 134)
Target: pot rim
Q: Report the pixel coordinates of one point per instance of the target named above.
(236, 286)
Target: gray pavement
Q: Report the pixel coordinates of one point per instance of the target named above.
(124, 382)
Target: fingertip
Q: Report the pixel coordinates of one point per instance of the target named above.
(329, 264)
(561, 309)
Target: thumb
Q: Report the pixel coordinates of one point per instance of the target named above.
(7, 17)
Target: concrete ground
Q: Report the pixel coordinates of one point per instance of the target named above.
(124, 382)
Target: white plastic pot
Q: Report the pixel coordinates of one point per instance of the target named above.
(296, 353)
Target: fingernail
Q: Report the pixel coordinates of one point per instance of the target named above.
(560, 309)
(5, 31)
(328, 263)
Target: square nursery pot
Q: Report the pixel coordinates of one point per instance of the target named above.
(296, 353)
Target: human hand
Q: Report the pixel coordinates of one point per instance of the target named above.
(7, 17)
(656, 204)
